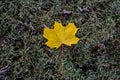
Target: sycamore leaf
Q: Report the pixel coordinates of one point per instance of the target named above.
(61, 35)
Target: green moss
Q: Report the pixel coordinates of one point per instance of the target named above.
(22, 44)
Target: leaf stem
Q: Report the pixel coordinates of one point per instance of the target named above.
(62, 61)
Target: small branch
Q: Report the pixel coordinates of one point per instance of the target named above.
(4, 70)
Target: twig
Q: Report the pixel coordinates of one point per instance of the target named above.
(4, 70)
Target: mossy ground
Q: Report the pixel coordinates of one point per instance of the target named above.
(22, 46)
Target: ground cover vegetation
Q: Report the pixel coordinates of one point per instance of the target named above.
(24, 55)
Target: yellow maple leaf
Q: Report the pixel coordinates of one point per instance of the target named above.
(61, 35)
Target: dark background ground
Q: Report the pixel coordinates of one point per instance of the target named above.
(26, 57)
